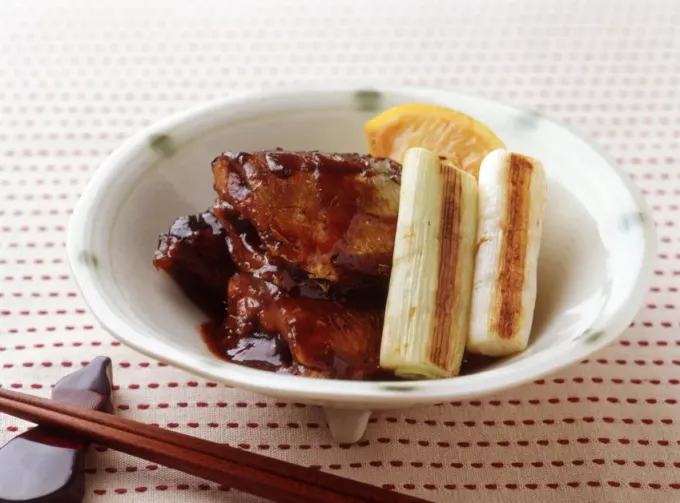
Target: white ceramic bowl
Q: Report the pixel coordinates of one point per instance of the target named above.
(594, 265)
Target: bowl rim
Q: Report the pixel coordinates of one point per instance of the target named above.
(350, 392)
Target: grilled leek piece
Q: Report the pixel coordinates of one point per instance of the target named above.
(426, 318)
(512, 198)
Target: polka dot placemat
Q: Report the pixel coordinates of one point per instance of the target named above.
(76, 78)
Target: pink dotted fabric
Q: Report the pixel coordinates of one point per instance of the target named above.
(76, 78)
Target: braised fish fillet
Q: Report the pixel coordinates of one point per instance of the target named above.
(325, 337)
(251, 257)
(332, 215)
(195, 253)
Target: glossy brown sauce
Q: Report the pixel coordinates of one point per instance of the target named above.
(270, 352)
(195, 254)
(256, 350)
(339, 195)
(246, 249)
(325, 337)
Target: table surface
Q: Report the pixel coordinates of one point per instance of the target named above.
(77, 77)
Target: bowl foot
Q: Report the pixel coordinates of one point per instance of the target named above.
(347, 425)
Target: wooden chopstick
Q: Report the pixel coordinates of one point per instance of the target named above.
(270, 478)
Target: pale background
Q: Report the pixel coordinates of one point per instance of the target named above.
(76, 78)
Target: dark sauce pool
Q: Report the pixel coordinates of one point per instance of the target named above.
(269, 352)
(259, 350)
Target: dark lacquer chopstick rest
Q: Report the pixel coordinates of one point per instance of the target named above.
(41, 466)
